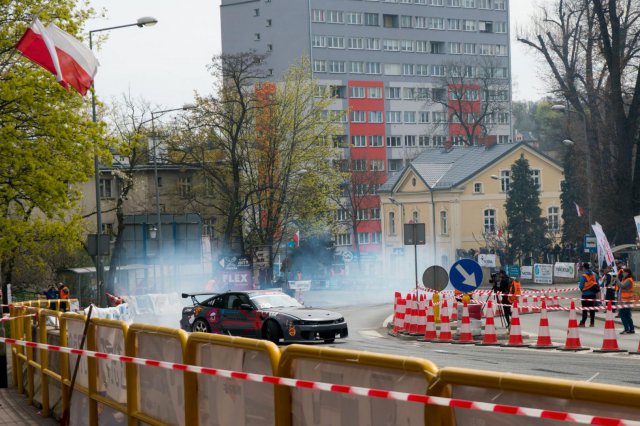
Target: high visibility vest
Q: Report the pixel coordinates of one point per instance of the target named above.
(626, 295)
(590, 282)
(514, 290)
(64, 292)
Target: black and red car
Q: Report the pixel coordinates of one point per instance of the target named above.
(262, 314)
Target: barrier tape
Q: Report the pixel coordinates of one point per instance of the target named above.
(7, 318)
(351, 390)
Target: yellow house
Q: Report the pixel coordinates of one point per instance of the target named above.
(461, 193)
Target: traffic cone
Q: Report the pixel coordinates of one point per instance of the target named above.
(490, 337)
(609, 342)
(544, 338)
(409, 316)
(454, 310)
(515, 334)
(445, 328)
(421, 321)
(573, 337)
(398, 321)
(637, 352)
(430, 329)
(465, 336)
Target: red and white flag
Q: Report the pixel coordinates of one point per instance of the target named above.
(296, 238)
(61, 54)
(579, 210)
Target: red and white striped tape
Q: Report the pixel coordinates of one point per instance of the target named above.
(4, 319)
(328, 387)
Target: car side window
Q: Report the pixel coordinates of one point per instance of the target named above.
(218, 302)
(233, 302)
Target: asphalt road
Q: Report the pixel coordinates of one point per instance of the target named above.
(366, 333)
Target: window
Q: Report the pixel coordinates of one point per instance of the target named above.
(422, 46)
(335, 42)
(343, 239)
(319, 66)
(372, 44)
(392, 92)
(358, 116)
(392, 223)
(354, 18)
(375, 213)
(469, 49)
(423, 117)
(500, 4)
(477, 188)
(553, 219)
(453, 3)
(160, 183)
(359, 141)
(489, 221)
(371, 19)
(502, 139)
(500, 27)
(375, 140)
(372, 67)
(355, 43)
(394, 165)
(362, 214)
(336, 66)
(377, 165)
(394, 117)
(391, 45)
(455, 48)
(421, 22)
(535, 175)
(409, 140)
(410, 117)
(375, 92)
(376, 237)
(484, 4)
(439, 140)
(375, 117)
(319, 41)
(256, 12)
(436, 23)
(406, 21)
(504, 180)
(455, 24)
(392, 69)
(184, 187)
(256, 36)
(485, 26)
(269, 22)
(439, 117)
(437, 70)
(503, 118)
(484, 49)
(390, 21)
(469, 3)
(106, 188)
(406, 45)
(340, 141)
(471, 95)
(356, 67)
(423, 140)
(394, 141)
(335, 17)
(415, 216)
(342, 215)
(363, 238)
(469, 25)
(408, 69)
(357, 92)
(270, 49)
(444, 226)
(422, 69)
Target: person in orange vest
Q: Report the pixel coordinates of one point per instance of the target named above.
(63, 291)
(626, 297)
(514, 291)
(589, 287)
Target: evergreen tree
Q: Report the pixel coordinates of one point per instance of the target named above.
(527, 228)
(572, 226)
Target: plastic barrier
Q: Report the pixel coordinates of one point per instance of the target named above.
(223, 401)
(535, 392)
(353, 368)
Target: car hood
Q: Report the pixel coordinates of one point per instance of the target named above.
(310, 314)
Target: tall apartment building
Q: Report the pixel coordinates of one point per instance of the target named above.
(399, 69)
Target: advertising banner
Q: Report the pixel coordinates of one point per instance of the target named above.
(603, 243)
(543, 273)
(564, 270)
(487, 260)
(526, 272)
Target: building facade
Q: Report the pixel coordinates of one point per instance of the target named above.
(406, 75)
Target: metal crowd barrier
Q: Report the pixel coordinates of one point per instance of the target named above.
(110, 392)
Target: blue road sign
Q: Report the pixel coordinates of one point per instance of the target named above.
(465, 275)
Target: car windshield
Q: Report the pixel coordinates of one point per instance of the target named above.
(266, 301)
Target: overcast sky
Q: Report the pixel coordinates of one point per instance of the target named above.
(165, 64)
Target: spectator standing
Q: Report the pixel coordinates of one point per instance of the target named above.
(626, 299)
(63, 292)
(589, 287)
(51, 294)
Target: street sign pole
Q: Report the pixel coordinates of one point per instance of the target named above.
(415, 256)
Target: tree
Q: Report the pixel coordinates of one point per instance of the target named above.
(47, 142)
(526, 227)
(573, 227)
(591, 50)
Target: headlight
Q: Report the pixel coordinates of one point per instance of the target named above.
(340, 320)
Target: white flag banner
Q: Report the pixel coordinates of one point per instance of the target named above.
(603, 243)
(637, 218)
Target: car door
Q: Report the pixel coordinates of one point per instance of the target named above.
(214, 307)
(237, 321)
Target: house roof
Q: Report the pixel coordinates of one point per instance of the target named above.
(447, 168)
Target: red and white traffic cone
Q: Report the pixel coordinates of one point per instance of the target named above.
(610, 341)
(398, 322)
(515, 333)
(544, 337)
(430, 329)
(410, 321)
(465, 336)
(422, 315)
(490, 337)
(445, 329)
(637, 352)
(454, 310)
(573, 336)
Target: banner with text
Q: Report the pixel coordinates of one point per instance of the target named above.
(526, 272)
(564, 270)
(543, 273)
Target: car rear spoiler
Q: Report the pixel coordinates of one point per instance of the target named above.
(185, 295)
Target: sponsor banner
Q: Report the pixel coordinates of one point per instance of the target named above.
(603, 244)
(564, 270)
(487, 260)
(237, 280)
(526, 272)
(543, 273)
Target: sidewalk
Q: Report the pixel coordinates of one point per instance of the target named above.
(15, 410)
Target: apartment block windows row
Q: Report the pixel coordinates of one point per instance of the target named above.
(362, 141)
(412, 141)
(359, 92)
(364, 165)
(365, 238)
(397, 69)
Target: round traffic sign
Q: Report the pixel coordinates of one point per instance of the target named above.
(466, 275)
(435, 277)
(347, 256)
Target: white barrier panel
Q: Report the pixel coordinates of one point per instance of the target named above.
(232, 402)
(111, 374)
(334, 409)
(107, 416)
(75, 329)
(161, 391)
(79, 410)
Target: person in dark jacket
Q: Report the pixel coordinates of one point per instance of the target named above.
(51, 294)
(502, 285)
(590, 289)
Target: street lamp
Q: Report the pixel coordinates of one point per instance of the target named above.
(569, 142)
(141, 22)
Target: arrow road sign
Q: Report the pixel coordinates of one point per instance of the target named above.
(465, 275)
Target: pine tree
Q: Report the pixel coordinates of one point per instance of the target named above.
(572, 226)
(527, 228)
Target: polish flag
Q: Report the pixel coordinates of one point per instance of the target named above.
(579, 210)
(499, 233)
(296, 238)
(61, 54)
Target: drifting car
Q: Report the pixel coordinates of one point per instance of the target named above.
(263, 314)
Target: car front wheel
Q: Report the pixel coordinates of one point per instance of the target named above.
(200, 326)
(271, 332)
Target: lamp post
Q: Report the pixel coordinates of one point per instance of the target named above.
(569, 142)
(141, 22)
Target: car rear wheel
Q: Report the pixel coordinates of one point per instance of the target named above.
(200, 326)
(271, 332)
